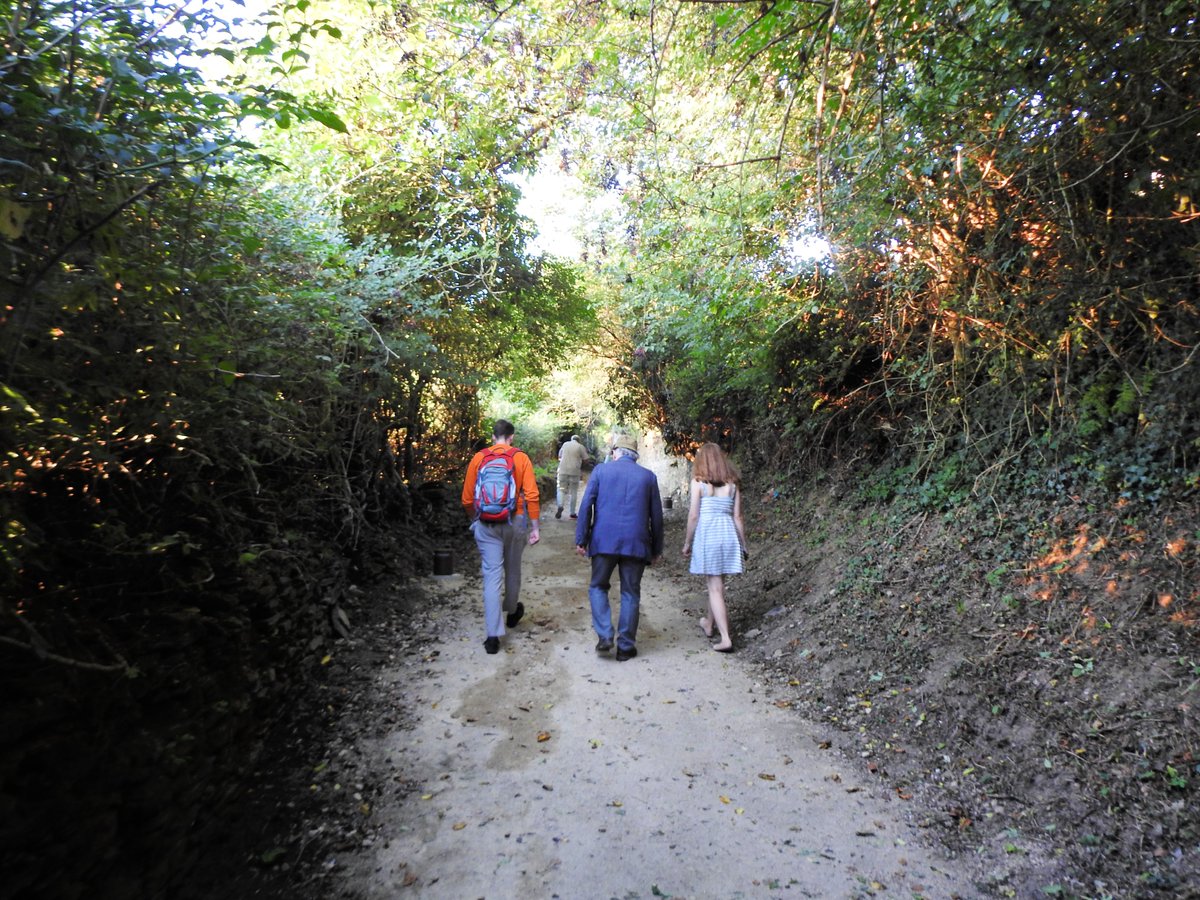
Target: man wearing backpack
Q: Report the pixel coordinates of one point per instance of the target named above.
(500, 497)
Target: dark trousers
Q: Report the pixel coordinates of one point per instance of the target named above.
(630, 569)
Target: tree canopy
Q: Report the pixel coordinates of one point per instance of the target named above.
(1008, 192)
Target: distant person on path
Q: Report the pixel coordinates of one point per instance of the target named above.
(571, 457)
(500, 497)
(621, 527)
(716, 534)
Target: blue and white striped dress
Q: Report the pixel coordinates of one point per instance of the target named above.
(716, 549)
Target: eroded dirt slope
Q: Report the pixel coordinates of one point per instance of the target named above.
(1024, 679)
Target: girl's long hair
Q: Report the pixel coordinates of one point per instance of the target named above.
(714, 467)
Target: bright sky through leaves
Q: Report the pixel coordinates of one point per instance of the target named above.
(553, 200)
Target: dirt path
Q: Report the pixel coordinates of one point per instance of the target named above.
(548, 770)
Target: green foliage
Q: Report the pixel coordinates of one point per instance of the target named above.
(239, 320)
(176, 316)
(1007, 253)
(196, 415)
(433, 129)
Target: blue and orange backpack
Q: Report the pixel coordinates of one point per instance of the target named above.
(496, 486)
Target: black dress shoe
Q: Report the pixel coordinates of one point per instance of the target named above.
(558, 515)
(492, 645)
(623, 655)
(515, 616)
(603, 646)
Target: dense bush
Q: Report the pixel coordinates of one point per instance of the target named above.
(216, 404)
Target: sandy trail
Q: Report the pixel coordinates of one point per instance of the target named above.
(549, 770)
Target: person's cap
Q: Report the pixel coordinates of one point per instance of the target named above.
(625, 442)
(576, 437)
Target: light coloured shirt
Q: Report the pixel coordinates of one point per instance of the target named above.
(571, 458)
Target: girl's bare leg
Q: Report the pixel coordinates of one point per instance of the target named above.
(716, 607)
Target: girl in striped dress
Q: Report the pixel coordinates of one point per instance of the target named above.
(716, 534)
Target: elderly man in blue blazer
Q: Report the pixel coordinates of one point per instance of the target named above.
(620, 527)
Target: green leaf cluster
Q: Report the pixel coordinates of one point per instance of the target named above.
(1009, 200)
